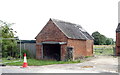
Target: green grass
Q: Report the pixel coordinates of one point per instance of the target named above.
(34, 62)
(103, 49)
(88, 56)
(100, 50)
(4, 60)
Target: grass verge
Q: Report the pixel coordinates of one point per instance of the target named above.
(34, 62)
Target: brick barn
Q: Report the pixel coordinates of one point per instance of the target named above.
(62, 40)
(118, 40)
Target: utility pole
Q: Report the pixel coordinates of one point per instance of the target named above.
(20, 49)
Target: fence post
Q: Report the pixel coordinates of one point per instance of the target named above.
(20, 49)
(114, 51)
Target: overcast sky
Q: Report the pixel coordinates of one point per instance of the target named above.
(30, 16)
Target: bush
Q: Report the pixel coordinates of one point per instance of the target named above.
(9, 58)
(27, 54)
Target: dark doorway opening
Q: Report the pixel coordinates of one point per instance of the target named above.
(51, 51)
(69, 53)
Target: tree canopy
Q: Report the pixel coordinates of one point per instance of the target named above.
(100, 39)
(8, 40)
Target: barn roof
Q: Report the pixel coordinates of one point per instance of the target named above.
(72, 30)
(118, 28)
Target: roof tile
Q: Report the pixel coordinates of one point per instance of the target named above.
(72, 30)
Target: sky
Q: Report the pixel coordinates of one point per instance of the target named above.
(30, 16)
(119, 12)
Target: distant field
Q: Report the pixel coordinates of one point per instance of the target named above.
(104, 49)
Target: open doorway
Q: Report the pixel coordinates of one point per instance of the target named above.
(69, 53)
(52, 51)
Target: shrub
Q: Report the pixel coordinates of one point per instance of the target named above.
(27, 54)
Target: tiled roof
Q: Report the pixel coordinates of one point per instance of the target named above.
(118, 28)
(71, 30)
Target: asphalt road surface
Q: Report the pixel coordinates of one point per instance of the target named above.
(100, 64)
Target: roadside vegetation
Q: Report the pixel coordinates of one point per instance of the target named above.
(34, 62)
(8, 40)
(98, 50)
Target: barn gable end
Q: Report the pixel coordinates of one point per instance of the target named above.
(50, 29)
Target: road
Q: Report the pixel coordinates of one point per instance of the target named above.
(100, 64)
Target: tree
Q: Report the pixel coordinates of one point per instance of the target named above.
(0, 40)
(109, 41)
(100, 39)
(96, 37)
(9, 45)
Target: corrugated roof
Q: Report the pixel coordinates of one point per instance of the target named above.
(27, 41)
(72, 30)
(118, 28)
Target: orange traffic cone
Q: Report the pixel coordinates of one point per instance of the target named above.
(25, 61)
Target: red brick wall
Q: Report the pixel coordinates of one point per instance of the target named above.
(118, 39)
(89, 47)
(81, 47)
(117, 43)
(63, 52)
(50, 33)
(38, 52)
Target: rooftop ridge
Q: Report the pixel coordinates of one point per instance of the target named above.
(65, 21)
(72, 30)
